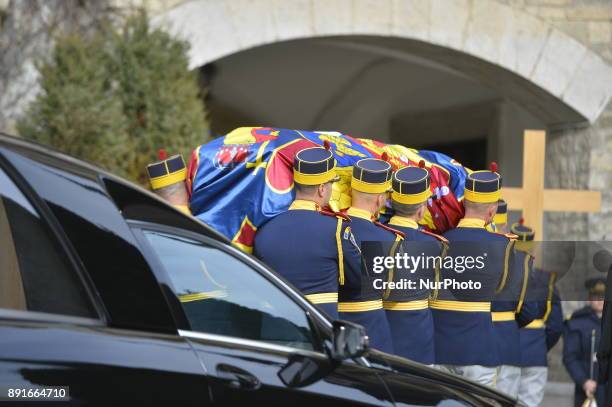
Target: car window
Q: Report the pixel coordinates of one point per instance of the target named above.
(34, 273)
(222, 295)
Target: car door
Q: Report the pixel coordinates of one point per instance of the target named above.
(258, 342)
(56, 331)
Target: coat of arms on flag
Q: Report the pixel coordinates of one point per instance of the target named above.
(241, 180)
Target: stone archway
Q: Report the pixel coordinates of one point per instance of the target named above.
(517, 43)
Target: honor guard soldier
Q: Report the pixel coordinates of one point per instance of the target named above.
(500, 220)
(360, 301)
(510, 312)
(580, 342)
(465, 339)
(167, 178)
(304, 244)
(408, 313)
(541, 334)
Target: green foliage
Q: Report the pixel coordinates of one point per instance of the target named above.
(116, 97)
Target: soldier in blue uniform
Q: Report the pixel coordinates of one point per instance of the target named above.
(465, 340)
(305, 244)
(580, 342)
(500, 220)
(541, 334)
(407, 310)
(511, 312)
(359, 300)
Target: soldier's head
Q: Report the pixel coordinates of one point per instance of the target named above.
(411, 191)
(371, 184)
(167, 178)
(501, 217)
(314, 172)
(524, 236)
(597, 290)
(482, 193)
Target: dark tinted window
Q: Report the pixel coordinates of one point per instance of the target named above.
(35, 274)
(222, 295)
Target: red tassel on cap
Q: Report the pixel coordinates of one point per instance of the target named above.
(521, 221)
(493, 167)
(384, 156)
(162, 154)
(422, 164)
(326, 145)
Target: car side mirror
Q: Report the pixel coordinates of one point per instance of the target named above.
(349, 340)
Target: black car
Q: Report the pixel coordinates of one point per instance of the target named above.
(109, 295)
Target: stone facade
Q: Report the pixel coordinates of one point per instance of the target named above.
(589, 22)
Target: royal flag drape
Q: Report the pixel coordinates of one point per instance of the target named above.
(241, 180)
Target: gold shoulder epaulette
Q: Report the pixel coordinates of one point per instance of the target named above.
(329, 212)
(390, 229)
(510, 236)
(440, 238)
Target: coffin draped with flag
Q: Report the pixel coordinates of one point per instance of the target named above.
(240, 181)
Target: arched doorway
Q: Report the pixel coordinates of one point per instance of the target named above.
(464, 77)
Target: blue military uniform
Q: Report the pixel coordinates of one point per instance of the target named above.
(539, 336)
(580, 341)
(408, 313)
(465, 339)
(510, 311)
(305, 244)
(359, 301)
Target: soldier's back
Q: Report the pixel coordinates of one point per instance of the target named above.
(462, 316)
(300, 245)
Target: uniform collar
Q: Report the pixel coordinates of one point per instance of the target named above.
(302, 204)
(403, 221)
(359, 213)
(471, 223)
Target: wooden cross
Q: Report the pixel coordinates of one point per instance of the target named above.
(533, 199)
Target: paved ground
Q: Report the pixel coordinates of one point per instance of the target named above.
(558, 395)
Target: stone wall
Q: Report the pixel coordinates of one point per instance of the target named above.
(580, 158)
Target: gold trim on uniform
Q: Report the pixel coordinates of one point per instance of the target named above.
(540, 323)
(471, 223)
(521, 300)
(463, 306)
(168, 179)
(403, 221)
(406, 305)
(499, 316)
(360, 306)
(535, 324)
(502, 282)
(340, 252)
(523, 246)
(302, 204)
(359, 213)
(322, 298)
